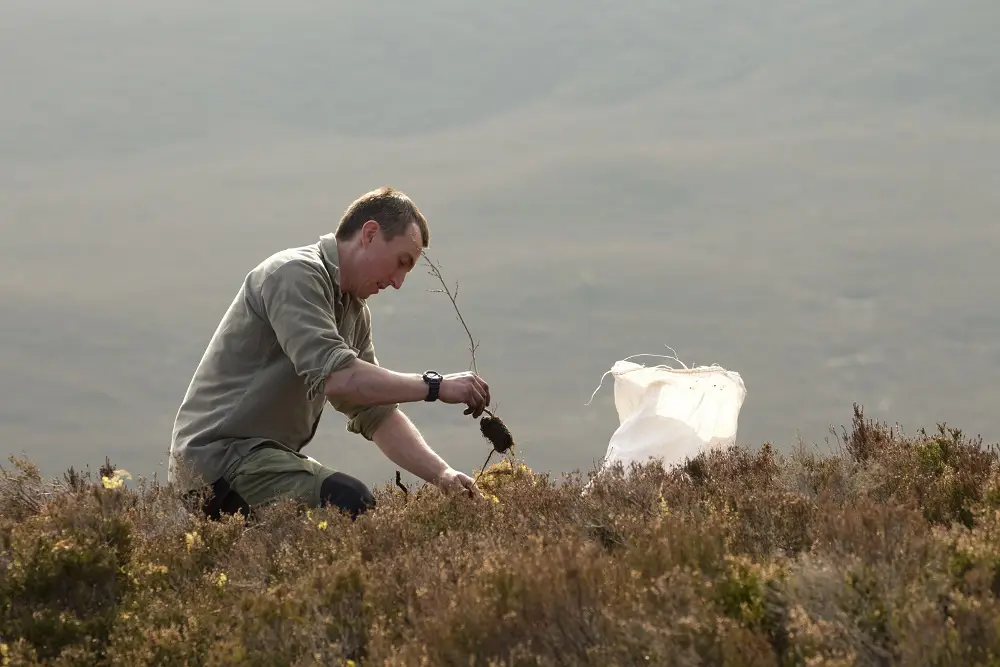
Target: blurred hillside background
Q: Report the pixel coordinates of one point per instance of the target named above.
(806, 192)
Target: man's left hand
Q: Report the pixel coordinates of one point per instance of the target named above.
(452, 480)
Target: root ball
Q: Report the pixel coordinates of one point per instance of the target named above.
(494, 430)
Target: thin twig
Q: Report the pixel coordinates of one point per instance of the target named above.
(483, 469)
(473, 345)
(436, 272)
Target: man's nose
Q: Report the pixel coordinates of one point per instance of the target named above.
(397, 281)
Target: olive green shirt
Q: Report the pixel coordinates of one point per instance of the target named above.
(261, 378)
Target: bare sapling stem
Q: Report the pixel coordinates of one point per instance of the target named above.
(473, 345)
(492, 428)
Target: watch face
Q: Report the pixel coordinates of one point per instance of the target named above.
(433, 375)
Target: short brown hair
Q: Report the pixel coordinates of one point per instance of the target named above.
(391, 209)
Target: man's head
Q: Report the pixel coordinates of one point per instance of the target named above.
(380, 236)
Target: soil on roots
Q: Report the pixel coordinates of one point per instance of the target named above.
(494, 430)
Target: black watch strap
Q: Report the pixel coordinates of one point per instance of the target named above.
(433, 380)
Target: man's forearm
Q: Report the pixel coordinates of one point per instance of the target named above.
(364, 384)
(402, 443)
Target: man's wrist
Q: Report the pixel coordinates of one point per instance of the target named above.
(433, 380)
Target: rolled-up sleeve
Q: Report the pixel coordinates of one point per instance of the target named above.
(364, 420)
(295, 301)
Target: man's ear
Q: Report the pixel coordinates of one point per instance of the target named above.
(369, 231)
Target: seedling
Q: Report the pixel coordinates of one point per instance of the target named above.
(491, 426)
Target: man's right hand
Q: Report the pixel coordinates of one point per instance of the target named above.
(466, 388)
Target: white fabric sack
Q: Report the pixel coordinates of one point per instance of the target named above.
(672, 414)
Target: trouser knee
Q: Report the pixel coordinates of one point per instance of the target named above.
(346, 493)
(220, 499)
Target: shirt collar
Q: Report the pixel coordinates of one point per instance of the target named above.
(331, 260)
(328, 249)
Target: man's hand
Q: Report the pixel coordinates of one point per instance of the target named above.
(466, 388)
(452, 480)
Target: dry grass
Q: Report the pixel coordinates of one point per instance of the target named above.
(885, 554)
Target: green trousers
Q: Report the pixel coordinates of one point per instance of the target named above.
(268, 474)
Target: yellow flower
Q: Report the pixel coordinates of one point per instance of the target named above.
(222, 579)
(321, 525)
(192, 540)
(116, 479)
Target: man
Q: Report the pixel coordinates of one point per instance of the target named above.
(298, 335)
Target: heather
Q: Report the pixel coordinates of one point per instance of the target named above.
(882, 550)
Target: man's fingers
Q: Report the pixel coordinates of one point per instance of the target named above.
(484, 389)
(475, 402)
(483, 402)
(477, 395)
(472, 487)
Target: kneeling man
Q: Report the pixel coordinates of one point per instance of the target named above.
(297, 335)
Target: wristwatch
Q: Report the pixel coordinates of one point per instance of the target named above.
(433, 380)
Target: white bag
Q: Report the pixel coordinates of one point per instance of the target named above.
(672, 414)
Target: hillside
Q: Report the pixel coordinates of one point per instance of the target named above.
(804, 191)
(882, 553)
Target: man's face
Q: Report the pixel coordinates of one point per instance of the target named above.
(386, 263)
